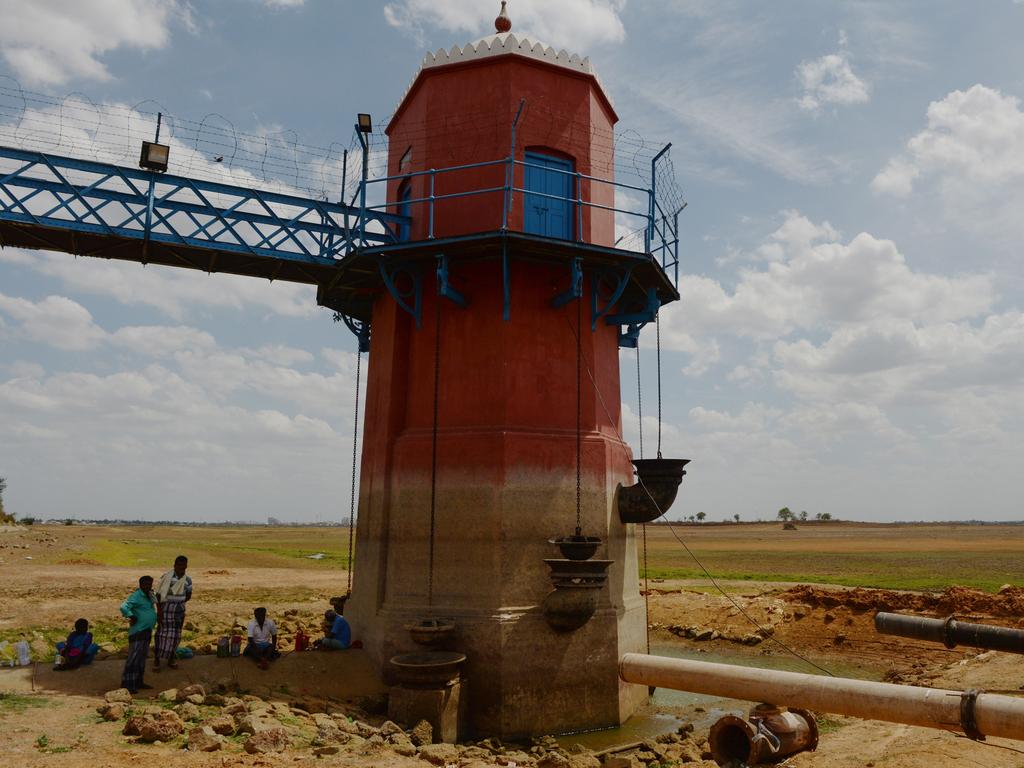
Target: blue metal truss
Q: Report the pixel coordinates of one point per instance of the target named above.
(44, 191)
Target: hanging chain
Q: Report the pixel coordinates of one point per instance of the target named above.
(639, 399)
(433, 447)
(579, 413)
(657, 328)
(355, 447)
(647, 591)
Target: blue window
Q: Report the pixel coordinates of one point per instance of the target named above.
(404, 209)
(550, 215)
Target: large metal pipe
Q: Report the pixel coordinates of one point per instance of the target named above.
(951, 632)
(973, 713)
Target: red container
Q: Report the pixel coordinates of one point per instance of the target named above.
(236, 645)
(301, 641)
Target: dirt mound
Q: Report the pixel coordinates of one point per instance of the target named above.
(1008, 602)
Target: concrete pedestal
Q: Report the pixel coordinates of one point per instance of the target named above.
(438, 706)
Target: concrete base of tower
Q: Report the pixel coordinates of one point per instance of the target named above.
(522, 678)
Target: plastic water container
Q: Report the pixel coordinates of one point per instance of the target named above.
(223, 651)
(236, 645)
(24, 653)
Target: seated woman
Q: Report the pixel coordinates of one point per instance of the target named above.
(79, 649)
(337, 632)
(262, 646)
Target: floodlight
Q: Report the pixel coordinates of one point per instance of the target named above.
(365, 123)
(154, 156)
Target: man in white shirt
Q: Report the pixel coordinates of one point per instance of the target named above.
(262, 644)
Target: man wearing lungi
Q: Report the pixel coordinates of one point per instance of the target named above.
(141, 615)
(172, 592)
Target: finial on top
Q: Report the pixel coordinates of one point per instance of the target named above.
(503, 23)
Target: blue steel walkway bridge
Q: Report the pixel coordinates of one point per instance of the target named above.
(351, 253)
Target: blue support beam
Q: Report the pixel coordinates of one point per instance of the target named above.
(41, 192)
(444, 287)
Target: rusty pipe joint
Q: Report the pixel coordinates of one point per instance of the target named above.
(657, 483)
(768, 735)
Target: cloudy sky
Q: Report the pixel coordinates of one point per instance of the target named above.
(850, 337)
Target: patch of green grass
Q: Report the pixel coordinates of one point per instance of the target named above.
(829, 725)
(103, 632)
(926, 571)
(16, 703)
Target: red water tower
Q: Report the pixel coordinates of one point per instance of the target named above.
(493, 408)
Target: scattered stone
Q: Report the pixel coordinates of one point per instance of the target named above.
(839, 639)
(325, 751)
(422, 734)
(267, 741)
(310, 706)
(706, 634)
(215, 700)
(203, 739)
(347, 726)
(584, 760)
(111, 712)
(119, 696)
(829, 617)
(752, 639)
(222, 725)
(190, 690)
(401, 744)
(133, 726)
(171, 694)
(440, 754)
(553, 760)
(389, 728)
(250, 724)
(188, 711)
(329, 733)
(235, 707)
(475, 753)
(163, 730)
(366, 730)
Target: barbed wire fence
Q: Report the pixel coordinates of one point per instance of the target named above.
(212, 148)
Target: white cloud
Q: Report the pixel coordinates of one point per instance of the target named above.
(830, 80)
(48, 42)
(813, 280)
(56, 321)
(974, 139)
(580, 23)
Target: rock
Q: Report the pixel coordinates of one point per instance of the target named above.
(222, 725)
(171, 694)
(190, 690)
(320, 719)
(422, 734)
(204, 739)
(389, 728)
(347, 726)
(311, 706)
(250, 724)
(215, 700)
(584, 760)
(401, 744)
(235, 707)
(622, 761)
(133, 726)
(267, 742)
(439, 754)
(188, 711)
(366, 730)
(705, 634)
(119, 696)
(475, 753)
(111, 712)
(163, 730)
(752, 639)
(329, 733)
(196, 699)
(330, 749)
(553, 760)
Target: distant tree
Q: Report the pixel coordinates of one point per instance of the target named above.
(68, 521)
(736, 517)
(803, 515)
(691, 518)
(826, 515)
(817, 516)
(273, 521)
(700, 517)
(27, 520)
(785, 515)
(4, 517)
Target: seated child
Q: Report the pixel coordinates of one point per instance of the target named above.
(262, 645)
(79, 649)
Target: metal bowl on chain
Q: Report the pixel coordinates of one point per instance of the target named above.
(431, 632)
(577, 547)
(427, 668)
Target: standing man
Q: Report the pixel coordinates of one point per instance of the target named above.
(141, 615)
(172, 592)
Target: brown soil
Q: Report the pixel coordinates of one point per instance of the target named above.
(831, 626)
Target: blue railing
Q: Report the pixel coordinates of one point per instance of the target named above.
(660, 230)
(51, 191)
